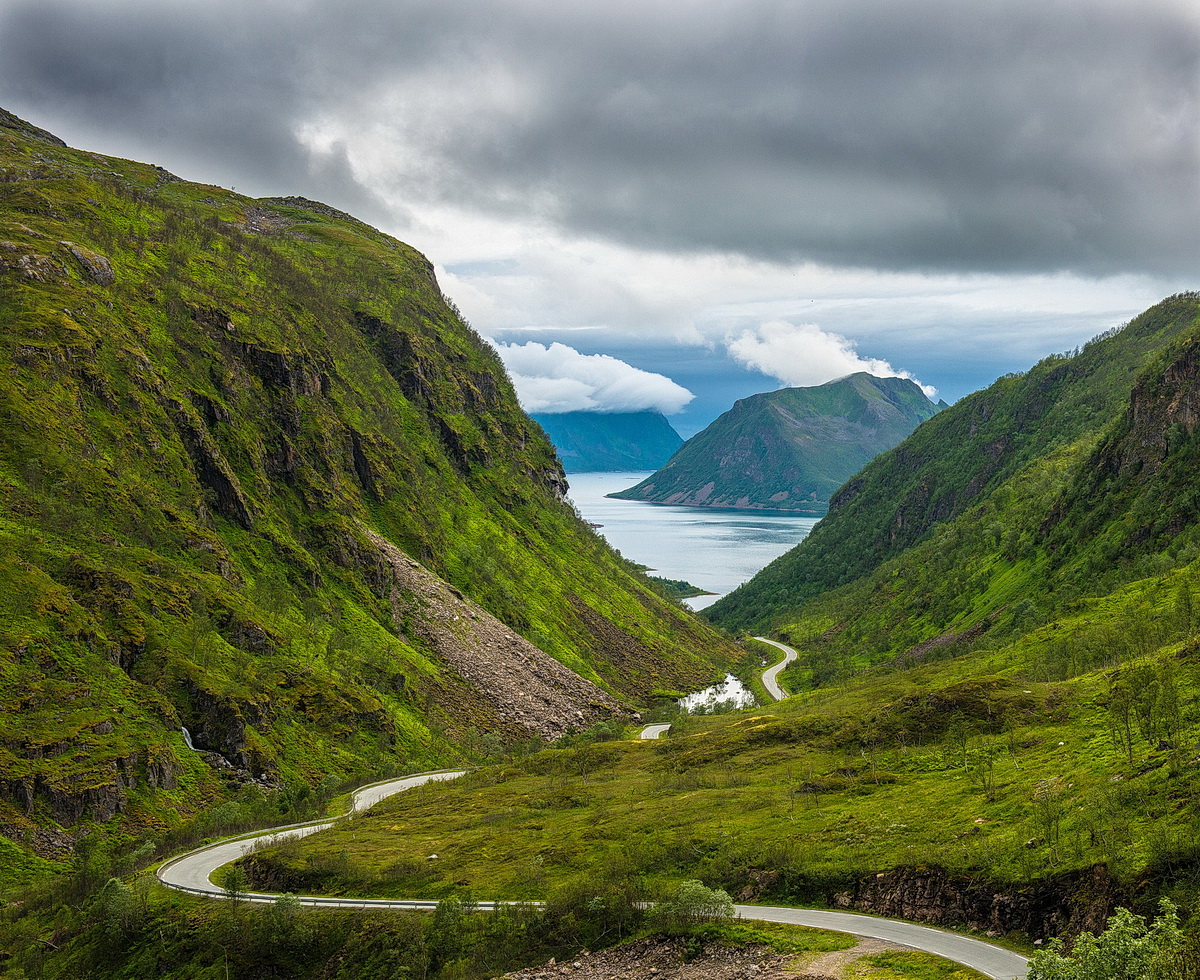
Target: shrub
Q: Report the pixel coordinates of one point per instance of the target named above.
(693, 903)
(1126, 950)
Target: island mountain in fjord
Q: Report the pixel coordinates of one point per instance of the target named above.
(788, 449)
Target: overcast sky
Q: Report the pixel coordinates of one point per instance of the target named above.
(732, 195)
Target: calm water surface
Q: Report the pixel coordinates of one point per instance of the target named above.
(716, 550)
(730, 691)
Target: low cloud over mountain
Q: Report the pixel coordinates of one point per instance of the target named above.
(556, 379)
(801, 355)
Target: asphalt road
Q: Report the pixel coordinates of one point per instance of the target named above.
(192, 872)
(654, 731)
(991, 961)
(771, 674)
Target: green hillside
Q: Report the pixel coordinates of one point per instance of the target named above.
(788, 449)
(259, 479)
(962, 526)
(589, 442)
(945, 794)
(996, 715)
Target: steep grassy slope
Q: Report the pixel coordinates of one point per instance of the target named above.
(259, 479)
(789, 449)
(589, 442)
(948, 527)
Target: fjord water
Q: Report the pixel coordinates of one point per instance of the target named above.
(714, 549)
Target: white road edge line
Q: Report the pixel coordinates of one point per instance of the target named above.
(192, 873)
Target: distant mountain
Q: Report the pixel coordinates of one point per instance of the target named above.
(789, 449)
(594, 441)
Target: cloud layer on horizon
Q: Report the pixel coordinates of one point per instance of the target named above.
(929, 135)
(557, 379)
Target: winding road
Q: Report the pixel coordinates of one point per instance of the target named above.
(193, 871)
(770, 677)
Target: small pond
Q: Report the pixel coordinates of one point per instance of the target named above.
(729, 693)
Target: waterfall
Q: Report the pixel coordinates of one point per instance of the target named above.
(187, 739)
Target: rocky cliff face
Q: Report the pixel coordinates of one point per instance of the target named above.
(1163, 414)
(1136, 492)
(1063, 906)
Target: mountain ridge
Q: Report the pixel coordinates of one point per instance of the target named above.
(789, 449)
(610, 441)
(225, 421)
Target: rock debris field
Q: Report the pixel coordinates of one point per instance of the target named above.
(668, 959)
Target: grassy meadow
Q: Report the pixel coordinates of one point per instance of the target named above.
(978, 765)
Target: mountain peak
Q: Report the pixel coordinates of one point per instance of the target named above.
(599, 441)
(27, 129)
(789, 449)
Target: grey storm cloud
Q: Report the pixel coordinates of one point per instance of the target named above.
(940, 136)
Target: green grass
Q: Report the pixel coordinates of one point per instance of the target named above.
(914, 966)
(968, 765)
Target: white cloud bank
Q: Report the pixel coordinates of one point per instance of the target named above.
(556, 379)
(803, 355)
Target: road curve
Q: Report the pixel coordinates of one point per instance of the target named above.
(654, 731)
(192, 872)
(770, 676)
(991, 961)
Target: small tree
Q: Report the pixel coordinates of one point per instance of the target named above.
(1121, 717)
(119, 908)
(1184, 611)
(234, 883)
(1126, 950)
(286, 922)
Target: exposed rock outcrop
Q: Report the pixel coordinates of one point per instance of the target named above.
(97, 266)
(95, 792)
(214, 473)
(1062, 906)
(218, 725)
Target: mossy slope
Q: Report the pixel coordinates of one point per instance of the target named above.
(210, 407)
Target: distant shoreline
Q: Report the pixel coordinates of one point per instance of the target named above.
(792, 512)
